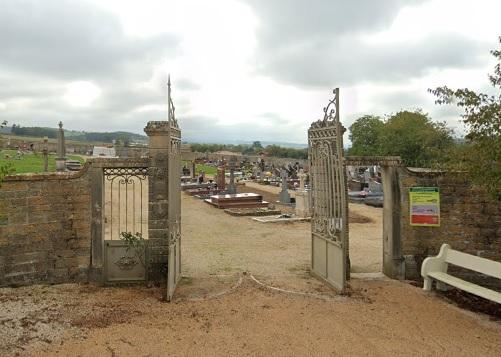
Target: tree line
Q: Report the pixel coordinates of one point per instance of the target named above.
(120, 137)
(412, 135)
(256, 148)
(35, 131)
(420, 141)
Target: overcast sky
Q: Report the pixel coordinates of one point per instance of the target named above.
(241, 69)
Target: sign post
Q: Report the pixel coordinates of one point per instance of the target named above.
(424, 206)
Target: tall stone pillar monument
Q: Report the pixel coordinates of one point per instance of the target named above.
(232, 189)
(158, 229)
(45, 154)
(221, 178)
(61, 149)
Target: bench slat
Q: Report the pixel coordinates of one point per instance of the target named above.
(467, 286)
(472, 262)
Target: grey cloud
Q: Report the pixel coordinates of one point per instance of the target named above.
(402, 99)
(346, 61)
(208, 129)
(186, 84)
(71, 39)
(321, 43)
(121, 100)
(45, 45)
(291, 22)
(19, 85)
(274, 119)
(50, 112)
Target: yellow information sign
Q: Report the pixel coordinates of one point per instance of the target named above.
(425, 206)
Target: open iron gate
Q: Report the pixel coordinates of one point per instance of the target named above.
(174, 200)
(329, 197)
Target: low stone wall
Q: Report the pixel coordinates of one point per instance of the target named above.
(131, 152)
(45, 228)
(470, 221)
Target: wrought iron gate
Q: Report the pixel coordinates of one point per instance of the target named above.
(329, 223)
(125, 210)
(174, 200)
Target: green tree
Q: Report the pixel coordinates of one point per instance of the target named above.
(122, 140)
(414, 137)
(365, 136)
(482, 116)
(256, 145)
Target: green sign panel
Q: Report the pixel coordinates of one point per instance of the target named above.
(425, 206)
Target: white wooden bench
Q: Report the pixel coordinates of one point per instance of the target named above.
(435, 268)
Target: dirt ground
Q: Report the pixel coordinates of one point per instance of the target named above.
(366, 232)
(380, 318)
(229, 303)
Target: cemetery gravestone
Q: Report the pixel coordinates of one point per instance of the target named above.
(303, 207)
(302, 177)
(284, 196)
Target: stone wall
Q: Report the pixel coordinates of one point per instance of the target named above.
(470, 221)
(131, 151)
(45, 228)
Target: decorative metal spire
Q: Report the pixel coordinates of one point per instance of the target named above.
(171, 109)
(168, 100)
(333, 113)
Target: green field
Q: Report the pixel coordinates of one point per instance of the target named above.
(31, 162)
(209, 170)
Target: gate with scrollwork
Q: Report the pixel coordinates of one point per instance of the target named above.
(125, 211)
(174, 200)
(329, 223)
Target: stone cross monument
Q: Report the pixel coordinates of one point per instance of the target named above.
(45, 154)
(232, 189)
(284, 194)
(61, 150)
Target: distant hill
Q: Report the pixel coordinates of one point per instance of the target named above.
(106, 137)
(244, 142)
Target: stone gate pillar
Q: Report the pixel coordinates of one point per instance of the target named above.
(159, 142)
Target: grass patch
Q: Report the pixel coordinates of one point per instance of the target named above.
(209, 170)
(31, 163)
